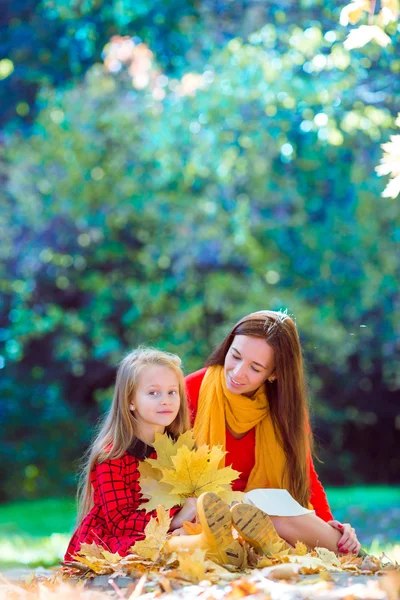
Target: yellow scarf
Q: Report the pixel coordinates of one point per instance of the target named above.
(218, 406)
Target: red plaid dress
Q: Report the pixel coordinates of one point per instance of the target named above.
(115, 521)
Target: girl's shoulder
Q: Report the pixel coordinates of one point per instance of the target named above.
(137, 452)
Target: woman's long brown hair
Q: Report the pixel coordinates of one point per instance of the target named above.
(287, 395)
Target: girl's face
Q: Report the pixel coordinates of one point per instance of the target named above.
(156, 402)
(248, 364)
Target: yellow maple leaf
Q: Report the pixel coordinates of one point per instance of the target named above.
(155, 536)
(300, 549)
(157, 493)
(167, 448)
(328, 558)
(91, 550)
(197, 471)
(146, 469)
(192, 565)
(192, 528)
(111, 558)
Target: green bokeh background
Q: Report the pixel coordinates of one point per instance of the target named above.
(168, 167)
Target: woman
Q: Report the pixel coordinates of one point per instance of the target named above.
(251, 399)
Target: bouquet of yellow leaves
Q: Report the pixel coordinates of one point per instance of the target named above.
(182, 471)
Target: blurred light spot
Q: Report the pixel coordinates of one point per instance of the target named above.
(57, 116)
(271, 110)
(289, 102)
(307, 67)
(319, 62)
(245, 141)
(79, 263)
(19, 286)
(321, 119)
(362, 325)
(272, 277)
(12, 347)
(66, 260)
(162, 80)
(44, 186)
(208, 76)
(194, 127)
(6, 68)
(46, 255)
(330, 36)
(2, 362)
(78, 369)
(286, 150)
(335, 137)
(306, 126)
(323, 134)
(62, 282)
(365, 123)
(84, 240)
(14, 315)
(31, 471)
(209, 207)
(22, 109)
(97, 173)
(164, 262)
(159, 94)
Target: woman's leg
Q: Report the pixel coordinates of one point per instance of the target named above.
(309, 529)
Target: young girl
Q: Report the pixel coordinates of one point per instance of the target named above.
(149, 398)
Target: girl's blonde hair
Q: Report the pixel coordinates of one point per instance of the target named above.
(118, 430)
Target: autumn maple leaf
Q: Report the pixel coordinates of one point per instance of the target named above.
(155, 536)
(197, 471)
(181, 471)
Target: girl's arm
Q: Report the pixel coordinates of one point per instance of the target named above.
(317, 494)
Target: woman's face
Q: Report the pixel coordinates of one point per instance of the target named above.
(248, 364)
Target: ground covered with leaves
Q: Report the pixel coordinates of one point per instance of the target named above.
(98, 575)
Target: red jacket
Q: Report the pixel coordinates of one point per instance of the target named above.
(241, 453)
(115, 521)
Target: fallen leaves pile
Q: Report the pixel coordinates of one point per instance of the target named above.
(191, 576)
(181, 471)
(155, 572)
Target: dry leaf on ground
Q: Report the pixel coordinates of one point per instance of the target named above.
(193, 565)
(155, 536)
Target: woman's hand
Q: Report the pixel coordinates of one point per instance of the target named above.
(348, 542)
(187, 513)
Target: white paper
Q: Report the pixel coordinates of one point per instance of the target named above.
(276, 502)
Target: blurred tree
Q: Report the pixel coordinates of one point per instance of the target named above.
(151, 207)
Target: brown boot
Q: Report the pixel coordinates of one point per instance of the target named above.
(257, 529)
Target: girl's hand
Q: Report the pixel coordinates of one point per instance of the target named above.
(348, 542)
(187, 513)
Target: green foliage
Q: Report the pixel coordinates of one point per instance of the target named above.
(152, 204)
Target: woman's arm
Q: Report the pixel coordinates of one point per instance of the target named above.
(317, 494)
